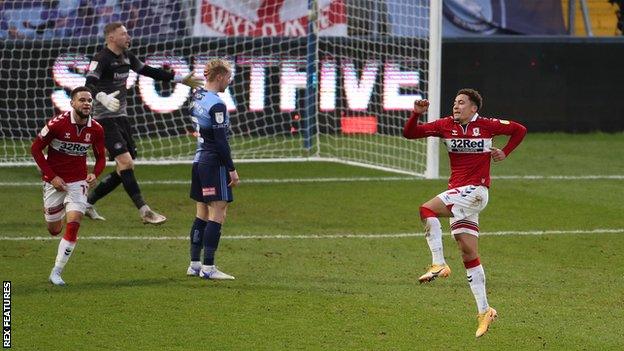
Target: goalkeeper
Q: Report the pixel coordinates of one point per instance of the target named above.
(107, 76)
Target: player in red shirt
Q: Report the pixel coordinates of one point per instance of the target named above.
(68, 137)
(468, 139)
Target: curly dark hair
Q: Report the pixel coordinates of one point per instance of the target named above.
(473, 95)
(79, 89)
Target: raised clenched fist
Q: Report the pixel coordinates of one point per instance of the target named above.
(421, 106)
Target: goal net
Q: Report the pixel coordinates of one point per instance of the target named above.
(313, 80)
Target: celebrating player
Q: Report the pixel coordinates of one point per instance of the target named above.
(468, 139)
(213, 175)
(107, 77)
(68, 137)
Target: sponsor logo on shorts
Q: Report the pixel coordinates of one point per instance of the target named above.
(117, 145)
(209, 191)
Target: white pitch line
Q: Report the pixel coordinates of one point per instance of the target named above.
(250, 181)
(561, 177)
(345, 180)
(318, 236)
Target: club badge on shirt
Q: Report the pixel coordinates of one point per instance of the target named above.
(219, 117)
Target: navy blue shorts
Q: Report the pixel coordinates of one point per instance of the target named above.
(209, 183)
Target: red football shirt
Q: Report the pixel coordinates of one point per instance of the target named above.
(68, 143)
(469, 145)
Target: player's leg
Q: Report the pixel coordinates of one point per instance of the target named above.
(197, 238)
(199, 223)
(212, 235)
(53, 208)
(66, 246)
(75, 204)
(55, 228)
(216, 195)
(429, 213)
(125, 169)
(468, 245)
(115, 145)
(465, 230)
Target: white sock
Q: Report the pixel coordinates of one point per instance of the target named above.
(65, 250)
(434, 240)
(143, 210)
(196, 264)
(476, 279)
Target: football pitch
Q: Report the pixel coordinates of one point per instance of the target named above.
(326, 257)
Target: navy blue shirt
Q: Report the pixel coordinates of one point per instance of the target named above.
(212, 123)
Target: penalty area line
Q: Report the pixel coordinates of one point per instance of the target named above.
(317, 236)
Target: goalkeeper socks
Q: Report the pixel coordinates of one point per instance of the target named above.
(476, 279)
(197, 234)
(434, 239)
(132, 187)
(108, 184)
(212, 234)
(65, 250)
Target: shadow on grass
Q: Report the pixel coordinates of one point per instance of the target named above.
(297, 285)
(81, 286)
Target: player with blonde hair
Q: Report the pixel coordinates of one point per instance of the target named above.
(213, 174)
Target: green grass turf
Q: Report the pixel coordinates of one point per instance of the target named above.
(541, 153)
(552, 291)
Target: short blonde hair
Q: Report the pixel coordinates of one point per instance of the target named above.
(111, 27)
(216, 67)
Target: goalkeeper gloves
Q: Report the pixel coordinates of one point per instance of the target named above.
(109, 101)
(191, 81)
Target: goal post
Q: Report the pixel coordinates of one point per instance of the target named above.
(432, 169)
(327, 80)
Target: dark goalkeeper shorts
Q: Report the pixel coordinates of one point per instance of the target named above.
(210, 183)
(118, 137)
